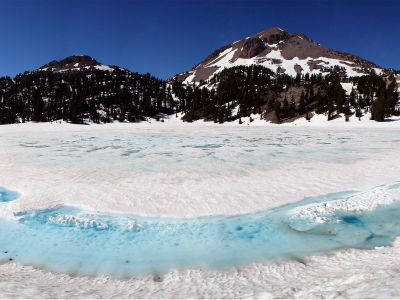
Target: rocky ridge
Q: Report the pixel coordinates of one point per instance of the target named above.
(75, 62)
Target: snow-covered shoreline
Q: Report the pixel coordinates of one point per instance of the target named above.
(345, 274)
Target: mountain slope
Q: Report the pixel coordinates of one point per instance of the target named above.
(282, 52)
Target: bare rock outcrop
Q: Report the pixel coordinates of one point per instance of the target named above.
(251, 48)
(76, 61)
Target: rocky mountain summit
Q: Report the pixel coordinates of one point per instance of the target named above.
(75, 62)
(282, 52)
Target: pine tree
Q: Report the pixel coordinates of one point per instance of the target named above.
(37, 113)
(285, 109)
(93, 111)
(220, 119)
(330, 109)
(302, 107)
(320, 104)
(292, 107)
(358, 113)
(353, 97)
(277, 110)
(378, 109)
(347, 107)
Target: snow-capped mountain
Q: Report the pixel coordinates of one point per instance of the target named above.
(282, 52)
(75, 62)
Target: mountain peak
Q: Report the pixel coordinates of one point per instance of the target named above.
(282, 52)
(272, 33)
(72, 62)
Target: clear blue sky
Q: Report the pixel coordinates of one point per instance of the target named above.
(168, 37)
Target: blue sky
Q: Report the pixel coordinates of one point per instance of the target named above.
(168, 37)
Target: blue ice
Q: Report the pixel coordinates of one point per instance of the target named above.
(7, 196)
(78, 242)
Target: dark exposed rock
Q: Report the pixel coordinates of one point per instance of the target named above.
(204, 73)
(77, 61)
(252, 47)
(280, 70)
(298, 69)
(276, 61)
(276, 38)
(273, 35)
(315, 64)
(265, 51)
(302, 47)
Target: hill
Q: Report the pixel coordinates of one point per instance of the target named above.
(78, 89)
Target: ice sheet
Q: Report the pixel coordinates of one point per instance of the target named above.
(189, 171)
(311, 159)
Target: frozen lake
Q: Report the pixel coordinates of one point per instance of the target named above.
(191, 171)
(215, 152)
(195, 197)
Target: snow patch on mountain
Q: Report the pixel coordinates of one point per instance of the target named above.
(274, 60)
(103, 68)
(283, 53)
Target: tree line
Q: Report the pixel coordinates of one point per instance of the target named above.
(79, 95)
(97, 95)
(240, 91)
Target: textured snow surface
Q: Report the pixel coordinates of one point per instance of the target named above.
(326, 212)
(346, 274)
(163, 170)
(179, 170)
